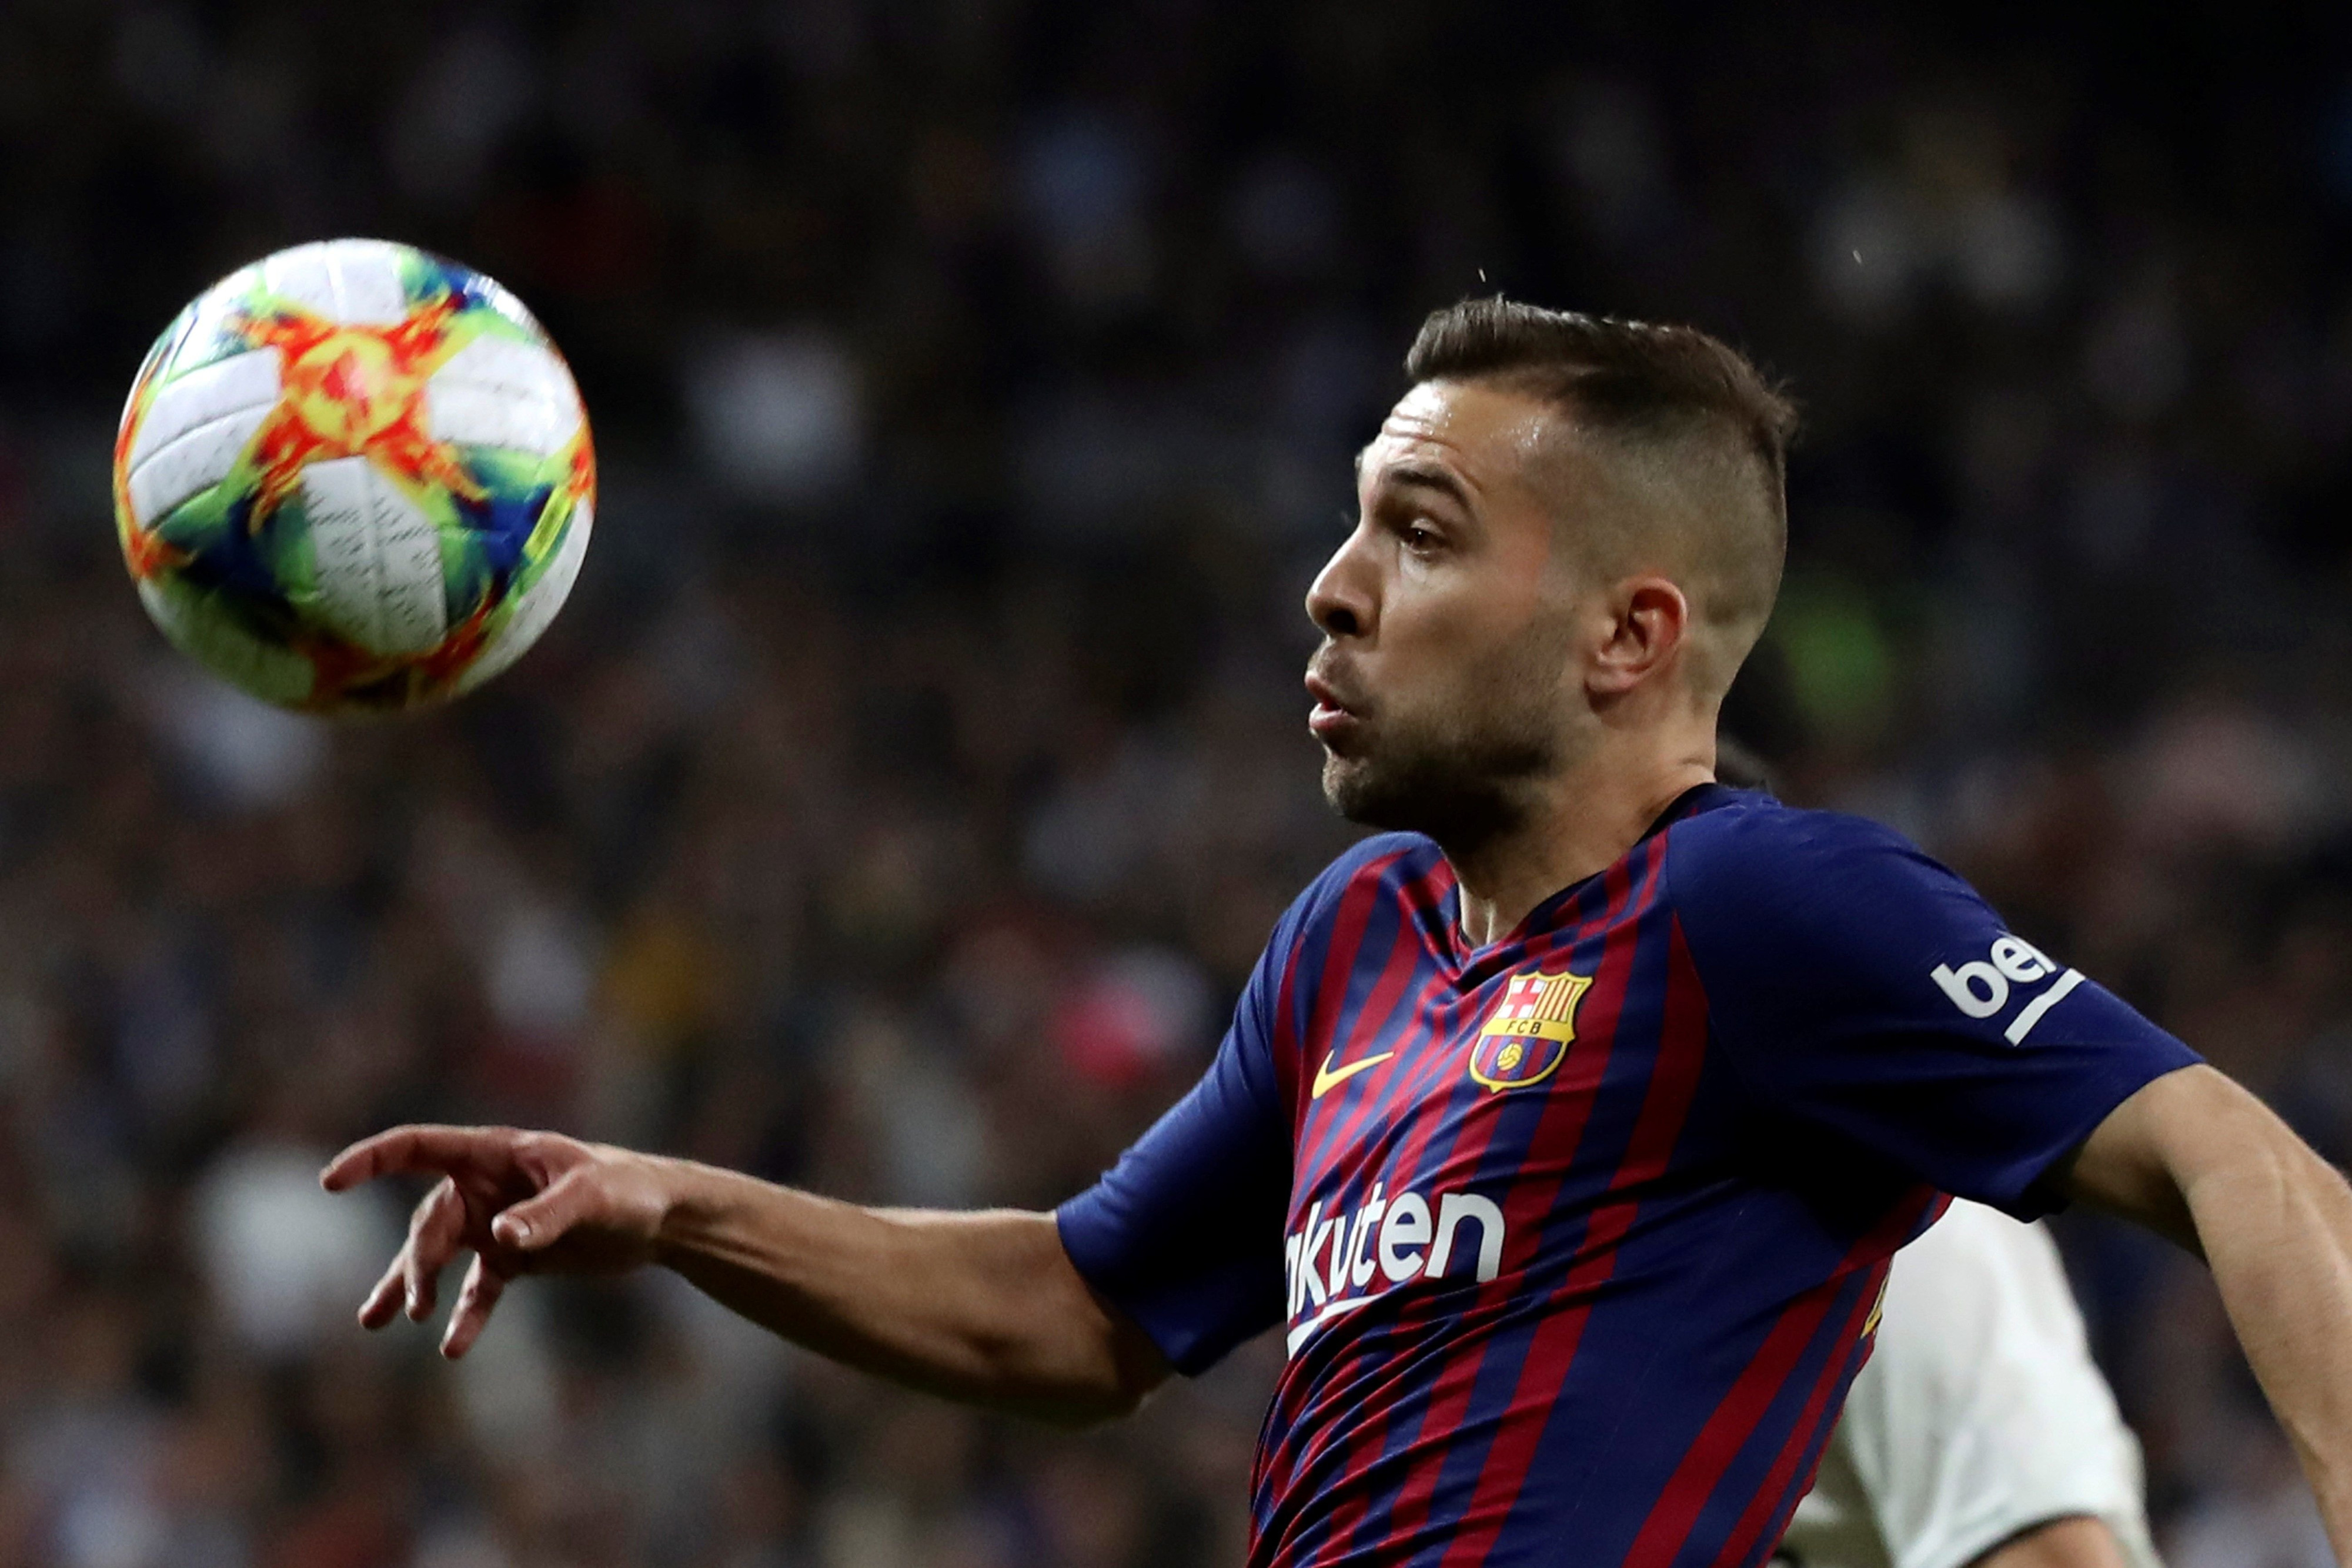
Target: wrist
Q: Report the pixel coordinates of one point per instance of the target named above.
(690, 1206)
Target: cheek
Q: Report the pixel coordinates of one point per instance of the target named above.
(1432, 637)
(1454, 682)
(1516, 672)
(1461, 630)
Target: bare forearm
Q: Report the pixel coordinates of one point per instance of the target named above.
(981, 1307)
(2276, 1224)
(2196, 1158)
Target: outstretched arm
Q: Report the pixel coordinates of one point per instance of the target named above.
(984, 1308)
(2199, 1159)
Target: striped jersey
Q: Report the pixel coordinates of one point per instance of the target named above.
(1576, 1238)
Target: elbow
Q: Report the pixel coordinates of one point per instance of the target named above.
(2237, 1169)
(1101, 1364)
(1072, 1397)
(1128, 1383)
(2189, 1152)
(1125, 1380)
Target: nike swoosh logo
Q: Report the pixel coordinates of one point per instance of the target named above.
(1326, 1080)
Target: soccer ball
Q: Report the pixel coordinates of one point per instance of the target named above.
(354, 477)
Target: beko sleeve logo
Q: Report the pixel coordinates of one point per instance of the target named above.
(1984, 987)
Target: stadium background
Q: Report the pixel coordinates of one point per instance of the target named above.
(922, 762)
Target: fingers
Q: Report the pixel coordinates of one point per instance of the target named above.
(538, 1222)
(382, 1303)
(403, 1150)
(475, 1301)
(436, 1231)
(481, 1168)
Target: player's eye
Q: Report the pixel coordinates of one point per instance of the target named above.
(1421, 538)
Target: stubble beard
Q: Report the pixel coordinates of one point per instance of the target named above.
(1463, 780)
(1466, 768)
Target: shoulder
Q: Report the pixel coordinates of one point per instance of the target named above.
(1750, 834)
(1376, 873)
(1384, 863)
(1821, 918)
(1752, 856)
(1393, 857)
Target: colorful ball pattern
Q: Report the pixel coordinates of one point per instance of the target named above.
(354, 477)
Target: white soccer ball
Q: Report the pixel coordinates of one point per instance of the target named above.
(355, 476)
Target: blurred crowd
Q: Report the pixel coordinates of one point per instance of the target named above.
(904, 796)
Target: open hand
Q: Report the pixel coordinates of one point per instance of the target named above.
(520, 1202)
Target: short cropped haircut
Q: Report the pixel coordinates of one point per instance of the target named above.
(1672, 393)
(1630, 378)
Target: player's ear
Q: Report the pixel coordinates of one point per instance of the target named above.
(1647, 620)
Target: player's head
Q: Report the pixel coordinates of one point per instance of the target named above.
(1570, 529)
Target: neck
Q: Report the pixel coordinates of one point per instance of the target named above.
(1580, 823)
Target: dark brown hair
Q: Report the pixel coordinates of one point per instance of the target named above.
(1625, 378)
(1678, 399)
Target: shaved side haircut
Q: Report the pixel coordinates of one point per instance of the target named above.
(1694, 435)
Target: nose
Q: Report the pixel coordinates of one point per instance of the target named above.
(1343, 601)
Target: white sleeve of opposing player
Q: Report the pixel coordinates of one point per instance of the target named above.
(1980, 1413)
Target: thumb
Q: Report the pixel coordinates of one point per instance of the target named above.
(540, 1222)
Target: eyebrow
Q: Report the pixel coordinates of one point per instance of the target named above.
(1441, 480)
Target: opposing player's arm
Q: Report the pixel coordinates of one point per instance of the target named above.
(2198, 1158)
(984, 1307)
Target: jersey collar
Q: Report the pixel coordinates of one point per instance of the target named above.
(1699, 797)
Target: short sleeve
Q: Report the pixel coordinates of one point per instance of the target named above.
(1184, 1234)
(1855, 985)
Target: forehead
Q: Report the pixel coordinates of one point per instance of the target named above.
(1472, 436)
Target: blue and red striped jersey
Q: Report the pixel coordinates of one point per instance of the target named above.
(1576, 1238)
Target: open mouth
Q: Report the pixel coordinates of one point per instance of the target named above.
(1333, 715)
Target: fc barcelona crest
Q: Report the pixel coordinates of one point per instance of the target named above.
(1527, 1035)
